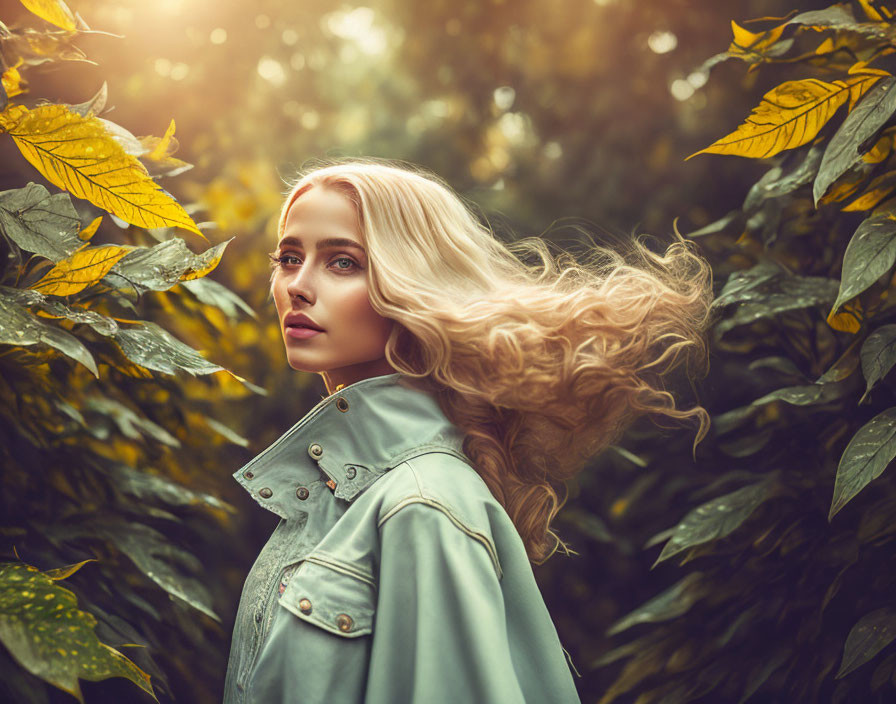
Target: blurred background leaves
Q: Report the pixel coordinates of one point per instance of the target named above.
(551, 120)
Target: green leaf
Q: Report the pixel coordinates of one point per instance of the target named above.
(869, 254)
(226, 432)
(783, 294)
(727, 222)
(590, 525)
(19, 327)
(845, 148)
(883, 672)
(778, 181)
(671, 603)
(148, 487)
(158, 559)
(129, 423)
(835, 16)
(763, 671)
(741, 284)
(808, 394)
(46, 633)
(153, 347)
(100, 323)
(783, 366)
(838, 17)
(38, 222)
(878, 355)
(212, 293)
(160, 267)
(867, 455)
(718, 517)
(873, 632)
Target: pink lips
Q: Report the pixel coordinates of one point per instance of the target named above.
(302, 333)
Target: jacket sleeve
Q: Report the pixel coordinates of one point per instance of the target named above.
(440, 632)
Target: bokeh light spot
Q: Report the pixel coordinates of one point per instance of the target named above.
(504, 97)
(553, 150)
(358, 27)
(681, 89)
(271, 70)
(662, 42)
(310, 119)
(163, 67)
(179, 71)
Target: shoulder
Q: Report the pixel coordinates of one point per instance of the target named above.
(440, 488)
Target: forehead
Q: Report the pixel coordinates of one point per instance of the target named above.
(319, 208)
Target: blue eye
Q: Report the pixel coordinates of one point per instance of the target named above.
(280, 261)
(284, 262)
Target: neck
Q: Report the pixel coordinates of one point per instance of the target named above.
(335, 379)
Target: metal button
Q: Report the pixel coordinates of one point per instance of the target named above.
(350, 472)
(344, 621)
(305, 606)
(258, 616)
(265, 493)
(302, 493)
(315, 450)
(248, 474)
(342, 404)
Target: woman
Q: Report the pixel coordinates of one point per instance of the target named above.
(465, 387)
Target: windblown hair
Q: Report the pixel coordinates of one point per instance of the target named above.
(541, 366)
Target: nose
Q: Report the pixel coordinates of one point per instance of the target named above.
(299, 283)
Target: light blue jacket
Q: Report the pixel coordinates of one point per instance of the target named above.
(394, 575)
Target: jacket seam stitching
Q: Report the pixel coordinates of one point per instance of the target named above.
(479, 537)
(340, 567)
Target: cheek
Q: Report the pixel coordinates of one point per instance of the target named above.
(359, 314)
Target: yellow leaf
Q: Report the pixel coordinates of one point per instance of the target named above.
(870, 11)
(90, 230)
(791, 115)
(83, 268)
(12, 81)
(208, 260)
(881, 149)
(68, 571)
(161, 149)
(158, 154)
(877, 190)
(826, 47)
(844, 187)
(35, 47)
(53, 11)
(746, 42)
(78, 154)
(849, 319)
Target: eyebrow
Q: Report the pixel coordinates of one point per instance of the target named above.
(330, 242)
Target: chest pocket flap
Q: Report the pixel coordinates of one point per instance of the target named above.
(331, 596)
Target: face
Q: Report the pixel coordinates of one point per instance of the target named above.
(321, 272)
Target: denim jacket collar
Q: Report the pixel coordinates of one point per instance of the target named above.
(351, 437)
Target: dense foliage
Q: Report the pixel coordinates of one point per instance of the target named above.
(102, 454)
(116, 486)
(782, 589)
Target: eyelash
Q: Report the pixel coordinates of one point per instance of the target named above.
(278, 263)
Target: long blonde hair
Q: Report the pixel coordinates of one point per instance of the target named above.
(540, 365)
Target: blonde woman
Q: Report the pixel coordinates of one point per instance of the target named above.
(464, 388)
